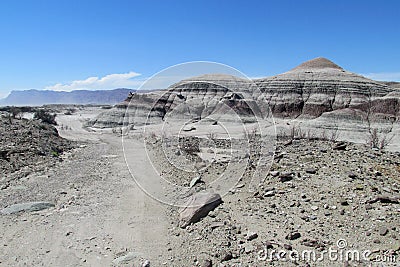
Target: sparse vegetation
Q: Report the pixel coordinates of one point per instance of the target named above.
(251, 134)
(189, 145)
(66, 127)
(45, 116)
(117, 130)
(70, 111)
(211, 135)
(378, 138)
(9, 117)
(296, 132)
(25, 143)
(15, 112)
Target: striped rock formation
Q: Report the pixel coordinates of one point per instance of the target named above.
(318, 86)
(310, 90)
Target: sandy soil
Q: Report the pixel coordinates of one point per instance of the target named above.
(313, 196)
(100, 212)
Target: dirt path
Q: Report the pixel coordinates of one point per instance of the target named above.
(100, 213)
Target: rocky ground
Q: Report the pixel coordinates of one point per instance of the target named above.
(27, 146)
(317, 196)
(82, 209)
(317, 193)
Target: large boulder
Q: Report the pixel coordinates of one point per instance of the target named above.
(197, 207)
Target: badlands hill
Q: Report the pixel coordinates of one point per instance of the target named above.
(308, 91)
(318, 86)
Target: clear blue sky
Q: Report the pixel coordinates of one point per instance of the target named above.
(44, 43)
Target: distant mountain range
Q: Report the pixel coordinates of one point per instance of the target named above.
(41, 97)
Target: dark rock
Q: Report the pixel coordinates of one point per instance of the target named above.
(270, 193)
(344, 202)
(383, 231)
(293, 236)
(251, 236)
(248, 248)
(288, 143)
(274, 173)
(368, 207)
(146, 263)
(206, 263)
(359, 187)
(268, 245)
(287, 247)
(352, 175)
(226, 255)
(309, 243)
(188, 128)
(384, 199)
(339, 146)
(286, 176)
(311, 171)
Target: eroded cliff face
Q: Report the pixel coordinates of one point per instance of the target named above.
(313, 88)
(194, 98)
(316, 87)
(136, 105)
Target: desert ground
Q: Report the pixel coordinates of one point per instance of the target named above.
(315, 196)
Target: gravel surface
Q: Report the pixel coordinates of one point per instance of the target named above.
(317, 196)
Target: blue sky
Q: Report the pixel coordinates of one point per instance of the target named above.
(71, 44)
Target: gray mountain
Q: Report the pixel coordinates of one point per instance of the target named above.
(315, 88)
(41, 97)
(318, 86)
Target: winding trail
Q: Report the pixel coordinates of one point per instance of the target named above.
(100, 214)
